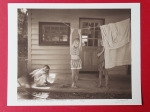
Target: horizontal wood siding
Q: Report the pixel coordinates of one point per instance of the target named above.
(51, 61)
(52, 56)
(51, 51)
(58, 57)
(49, 47)
(55, 66)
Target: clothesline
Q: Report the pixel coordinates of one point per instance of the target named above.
(60, 20)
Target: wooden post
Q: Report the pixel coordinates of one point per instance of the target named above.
(29, 40)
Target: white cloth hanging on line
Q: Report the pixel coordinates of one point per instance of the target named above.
(117, 43)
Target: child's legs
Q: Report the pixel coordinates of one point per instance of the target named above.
(100, 68)
(76, 64)
(73, 76)
(77, 74)
(78, 67)
(106, 77)
(100, 78)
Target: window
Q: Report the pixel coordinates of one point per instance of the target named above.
(91, 31)
(51, 33)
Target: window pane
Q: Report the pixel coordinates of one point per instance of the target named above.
(55, 33)
(46, 33)
(95, 42)
(84, 40)
(63, 38)
(86, 37)
(63, 34)
(83, 32)
(92, 34)
(90, 42)
(46, 37)
(85, 25)
(86, 32)
(92, 25)
(63, 30)
(47, 29)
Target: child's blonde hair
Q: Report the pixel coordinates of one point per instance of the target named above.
(76, 39)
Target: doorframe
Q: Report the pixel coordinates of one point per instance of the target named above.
(93, 19)
(85, 18)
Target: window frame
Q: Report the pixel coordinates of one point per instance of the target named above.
(53, 43)
(83, 19)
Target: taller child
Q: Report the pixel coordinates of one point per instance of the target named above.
(76, 63)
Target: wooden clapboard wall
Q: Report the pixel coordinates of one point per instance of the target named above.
(58, 57)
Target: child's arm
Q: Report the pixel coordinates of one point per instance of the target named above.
(80, 38)
(71, 36)
(99, 54)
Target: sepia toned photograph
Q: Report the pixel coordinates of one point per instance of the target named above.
(74, 54)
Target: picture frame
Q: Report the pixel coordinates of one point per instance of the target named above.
(136, 94)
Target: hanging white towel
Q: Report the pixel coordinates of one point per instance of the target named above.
(117, 43)
(116, 34)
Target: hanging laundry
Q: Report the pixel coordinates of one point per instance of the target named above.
(117, 43)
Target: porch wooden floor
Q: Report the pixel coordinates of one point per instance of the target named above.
(118, 83)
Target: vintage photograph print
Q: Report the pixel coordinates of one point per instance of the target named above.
(87, 54)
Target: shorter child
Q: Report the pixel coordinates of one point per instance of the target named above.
(101, 65)
(41, 76)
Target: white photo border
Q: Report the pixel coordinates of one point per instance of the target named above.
(12, 54)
